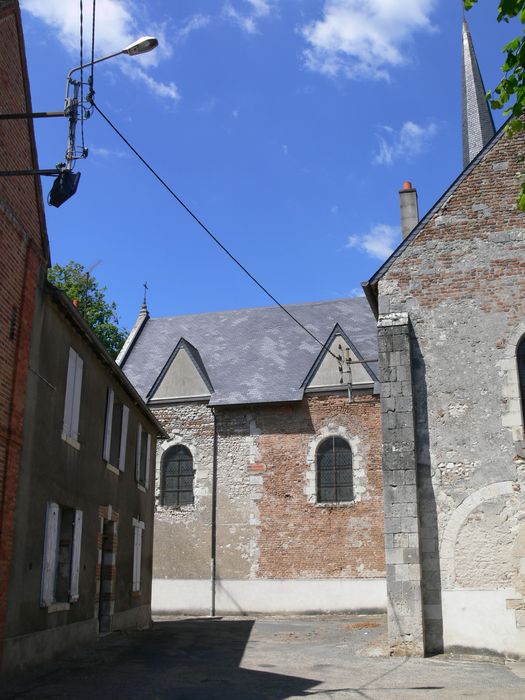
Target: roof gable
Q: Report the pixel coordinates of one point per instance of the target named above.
(183, 376)
(327, 371)
(370, 287)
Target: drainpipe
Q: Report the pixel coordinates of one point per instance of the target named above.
(213, 561)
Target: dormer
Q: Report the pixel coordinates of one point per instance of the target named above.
(183, 377)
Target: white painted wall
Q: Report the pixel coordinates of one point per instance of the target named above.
(191, 596)
(480, 620)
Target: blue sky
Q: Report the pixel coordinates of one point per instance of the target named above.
(288, 126)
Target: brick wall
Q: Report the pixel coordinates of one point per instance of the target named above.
(23, 257)
(268, 524)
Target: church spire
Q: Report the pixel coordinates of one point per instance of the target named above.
(478, 125)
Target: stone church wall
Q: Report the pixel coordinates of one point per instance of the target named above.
(277, 549)
(461, 282)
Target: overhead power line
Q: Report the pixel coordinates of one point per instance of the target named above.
(207, 230)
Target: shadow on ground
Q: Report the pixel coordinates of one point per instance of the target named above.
(182, 659)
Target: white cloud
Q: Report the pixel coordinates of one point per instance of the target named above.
(235, 113)
(409, 141)
(253, 10)
(192, 24)
(284, 148)
(118, 24)
(379, 242)
(103, 152)
(364, 38)
(356, 292)
(334, 209)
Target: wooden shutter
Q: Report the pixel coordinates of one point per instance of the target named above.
(70, 389)
(107, 429)
(49, 565)
(148, 459)
(123, 438)
(75, 557)
(75, 409)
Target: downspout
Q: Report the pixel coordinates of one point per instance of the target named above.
(213, 562)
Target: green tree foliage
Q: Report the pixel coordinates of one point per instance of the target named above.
(510, 92)
(99, 314)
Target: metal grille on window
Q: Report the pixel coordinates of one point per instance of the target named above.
(334, 471)
(177, 477)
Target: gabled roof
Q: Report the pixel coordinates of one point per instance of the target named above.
(250, 355)
(371, 367)
(370, 287)
(194, 356)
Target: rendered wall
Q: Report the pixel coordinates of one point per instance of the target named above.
(270, 530)
(462, 283)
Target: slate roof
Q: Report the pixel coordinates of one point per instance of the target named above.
(251, 355)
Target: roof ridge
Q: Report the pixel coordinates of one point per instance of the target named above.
(308, 304)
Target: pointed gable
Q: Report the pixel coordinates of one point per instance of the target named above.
(183, 376)
(326, 371)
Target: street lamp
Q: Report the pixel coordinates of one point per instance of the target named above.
(66, 183)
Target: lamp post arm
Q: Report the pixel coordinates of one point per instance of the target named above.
(87, 65)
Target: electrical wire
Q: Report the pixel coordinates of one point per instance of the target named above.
(93, 43)
(81, 74)
(207, 230)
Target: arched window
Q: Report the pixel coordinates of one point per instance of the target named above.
(177, 477)
(520, 354)
(334, 471)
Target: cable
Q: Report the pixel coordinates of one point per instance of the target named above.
(82, 73)
(93, 42)
(207, 230)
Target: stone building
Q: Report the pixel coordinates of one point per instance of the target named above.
(450, 304)
(269, 492)
(76, 441)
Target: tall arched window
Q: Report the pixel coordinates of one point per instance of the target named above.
(177, 477)
(520, 354)
(334, 471)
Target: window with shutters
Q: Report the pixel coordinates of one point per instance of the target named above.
(138, 529)
(177, 477)
(116, 432)
(70, 432)
(143, 457)
(334, 471)
(61, 565)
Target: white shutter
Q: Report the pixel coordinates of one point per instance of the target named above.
(49, 565)
(109, 419)
(123, 438)
(75, 409)
(148, 457)
(138, 527)
(75, 557)
(70, 389)
(137, 460)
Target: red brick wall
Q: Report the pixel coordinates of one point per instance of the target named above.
(298, 539)
(23, 257)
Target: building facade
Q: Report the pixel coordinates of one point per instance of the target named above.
(84, 509)
(24, 254)
(269, 493)
(451, 322)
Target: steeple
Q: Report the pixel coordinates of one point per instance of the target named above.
(478, 125)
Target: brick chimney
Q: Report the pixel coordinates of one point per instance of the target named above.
(409, 208)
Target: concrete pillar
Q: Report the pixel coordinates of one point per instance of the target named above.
(409, 209)
(405, 609)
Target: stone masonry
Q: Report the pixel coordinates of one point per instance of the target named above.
(402, 546)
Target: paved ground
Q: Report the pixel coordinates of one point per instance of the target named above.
(271, 658)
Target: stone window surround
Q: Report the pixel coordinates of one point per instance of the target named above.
(360, 481)
(162, 448)
(512, 418)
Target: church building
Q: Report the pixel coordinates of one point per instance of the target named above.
(269, 490)
(450, 304)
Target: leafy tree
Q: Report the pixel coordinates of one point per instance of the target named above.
(90, 298)
(512, 85)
